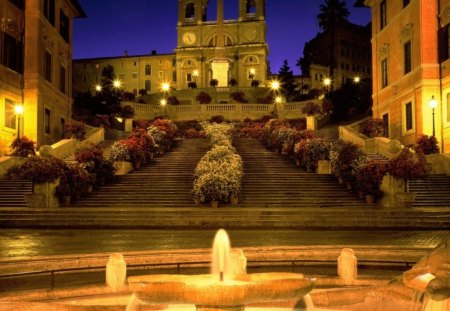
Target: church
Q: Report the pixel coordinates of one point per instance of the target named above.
(228, 51)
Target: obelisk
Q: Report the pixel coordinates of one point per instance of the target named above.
(220, 64)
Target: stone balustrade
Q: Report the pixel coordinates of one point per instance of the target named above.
(231, 111)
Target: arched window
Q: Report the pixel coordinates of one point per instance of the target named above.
(148, 70)
(251, 7)
(190, 10)
(148, 85)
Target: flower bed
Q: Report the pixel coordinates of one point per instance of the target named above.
(218, 175)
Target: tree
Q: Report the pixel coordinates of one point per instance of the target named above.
(332, 13)
(287, 80)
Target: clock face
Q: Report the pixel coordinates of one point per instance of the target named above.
(189, 38)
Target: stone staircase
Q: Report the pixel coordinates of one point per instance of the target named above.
(12, 192)
(165, 182)
(271, 180)
(432, 192)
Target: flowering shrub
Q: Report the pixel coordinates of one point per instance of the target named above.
(239, 97)
(128, 111)
(119, 152)
(347, 153)
(163, 132)
(22, 147)
(408, 165)
(203, 98)
(146, 141)
(218, 175)
(251, 129)
(38, 169)
(316, 149)
(370, 176)
(372, 128)
(102, 120)
(279, 135)
(135, 149)
(193, 133)
(427, 145)
(311, 108)
(75, 129)
(90, 154)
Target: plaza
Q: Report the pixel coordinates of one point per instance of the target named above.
(116, 172)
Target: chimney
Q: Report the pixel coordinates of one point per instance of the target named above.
(125, 53)
(153, 52)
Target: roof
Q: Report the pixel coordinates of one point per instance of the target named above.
(81, 12)
(123, 56)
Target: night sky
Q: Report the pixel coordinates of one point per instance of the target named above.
(140, 26)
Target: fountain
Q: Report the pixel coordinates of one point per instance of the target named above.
(221, 289)
(431, 278)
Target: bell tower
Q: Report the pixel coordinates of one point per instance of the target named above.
(251, 10)
(191, 12)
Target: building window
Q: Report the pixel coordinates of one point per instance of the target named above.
(448, 107)
(64, 26)
(49, 11)
(386, 125)
(384, 73)
(10, 116)
(447, 36)
(11, 53)
(18, 3)
(121, 76)
(383, 15)
(405, 3)
(190, 11)
(134, 64)
(47, 121)
(62, 79)
(174, 76)
(48, 66)
(148, 70)
(148, 85)
(160, 74)
(61, 128)
(189, 77)
(135, 75)
(407, 57)
(408, 116)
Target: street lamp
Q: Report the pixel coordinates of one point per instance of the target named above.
(356, 79)
(278, 99)
(117, 84)
(433, 104)
(19, 111)
(275, 85)
(195, 75)
(98, 88)
(327, 82)
(165, 87)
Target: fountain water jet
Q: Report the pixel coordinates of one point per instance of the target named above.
(220, 290)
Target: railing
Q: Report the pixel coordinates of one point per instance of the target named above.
(48, 276)
(381, 145)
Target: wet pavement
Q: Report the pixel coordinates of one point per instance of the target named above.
(33, 242)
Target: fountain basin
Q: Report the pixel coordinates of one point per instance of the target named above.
(207, 290)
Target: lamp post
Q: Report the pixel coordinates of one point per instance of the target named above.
(327, 83)
(433, 104)
(19, 111)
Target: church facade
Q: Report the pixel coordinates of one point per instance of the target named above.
(224, 50)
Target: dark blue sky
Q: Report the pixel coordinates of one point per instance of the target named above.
(140, 26)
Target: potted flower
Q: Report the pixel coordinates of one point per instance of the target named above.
(427, 145)
(75, 129)
(45, 173)
(121, 158)
(369, 178)
(408, 165)
(213, 82)
(316, 149)
(372, 128)
(102, 120)
(203, 98)
(22, 147)
(347, 152)
(64, 193)
(128, 112)
(211, 187)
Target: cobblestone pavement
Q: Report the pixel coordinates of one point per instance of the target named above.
(32, 242)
